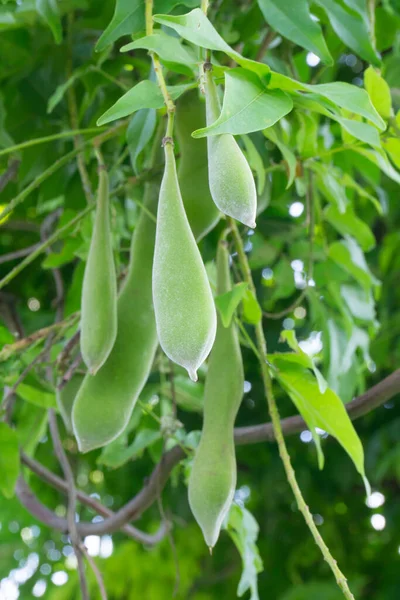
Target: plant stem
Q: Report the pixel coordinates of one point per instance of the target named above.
(48, 138)
(170, 106)
(73, 115)
(42, 247)
(274, 413)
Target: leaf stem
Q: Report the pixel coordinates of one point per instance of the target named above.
(276, 424)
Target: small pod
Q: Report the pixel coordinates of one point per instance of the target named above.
(200, 209)
(213, 478)
(183, 303)
(99, 290)
(105, 401)
(230, 178)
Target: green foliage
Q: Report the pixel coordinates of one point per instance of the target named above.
(322, 141)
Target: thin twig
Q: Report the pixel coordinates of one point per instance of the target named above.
(49, 138)
(268, 37)
(170, 535)
(76, 363)
(9, 174)
(288, 310)
(64, 160)
(61, 485)
(73, 115)
(276, 424)
(10, 349)
(65, 354)
(96, 572)
(18, 253)
(71, 511)
(42, 247)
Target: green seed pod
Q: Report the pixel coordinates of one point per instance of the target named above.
(99, 290)
(200, 209)
(105, 401)
(183, 303)
(65, 399)
(229, 175)
(213, 478)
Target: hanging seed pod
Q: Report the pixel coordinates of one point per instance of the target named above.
(183, 303)
(99, 291)
(105, 401)
(213, 478)
(200, 209)
(229, 175)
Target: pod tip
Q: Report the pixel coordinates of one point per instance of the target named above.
(93, 370)
(253, 225)
(193, 374)
(210, 549)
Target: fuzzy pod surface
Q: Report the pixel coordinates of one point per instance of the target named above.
(230, 178)
(212, 481)
(183, 303)
(99, 289)
(200, 208)
(105, 401)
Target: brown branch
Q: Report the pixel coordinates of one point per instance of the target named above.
(10, 349)
(90, 502)
(269, 36)
(376, 396)
(18, 253)
(72, 497)
(9, 174)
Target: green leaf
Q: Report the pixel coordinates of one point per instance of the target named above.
(287, 154)
(248, 106)
(115, 455)
(9, 460)
(379, 158)
(31, 423)
(330, 183)
(350, 257)
(145, 94)
(36, 396)
(197, 29)
(325, 411)
(379, 92)
(167, 47)
(139, 133)
(360, 303)
(392, 147)
(252, 312)
(289, 336)
(227, 303)
(295, 23)
(361, 131)
(351, 29)
(243, 529)
(48, 10)
(348, 223)
(128, 19)
(256, 163)
(60, 91)
(344, 95)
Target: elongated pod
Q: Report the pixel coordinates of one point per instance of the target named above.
(200, 209)
(229, 175)
(65, 399)
(99, 290)
(105, 401)
(213, 478)
(183, 303)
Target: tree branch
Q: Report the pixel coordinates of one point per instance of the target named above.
(90, 502)
(9, 174)
(363, 404)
